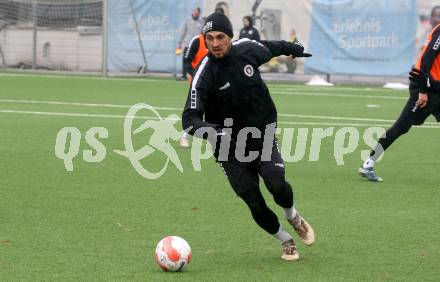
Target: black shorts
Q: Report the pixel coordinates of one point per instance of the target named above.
(244, 176)
(417, 116)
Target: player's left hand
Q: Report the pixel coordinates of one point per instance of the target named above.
(179, 51)
(297, 50)
(305, 55)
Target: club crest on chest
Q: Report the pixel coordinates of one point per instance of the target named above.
(248, 70)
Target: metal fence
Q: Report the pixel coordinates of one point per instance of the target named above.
(51, 35)
(118, 36)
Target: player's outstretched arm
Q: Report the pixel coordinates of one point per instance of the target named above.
(264, 51)
(278, 48)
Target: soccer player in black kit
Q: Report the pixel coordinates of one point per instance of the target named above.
(424, 98)
(227, 92)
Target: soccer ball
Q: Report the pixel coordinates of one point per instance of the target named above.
(173, 253)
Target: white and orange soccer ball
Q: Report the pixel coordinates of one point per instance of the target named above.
(173, 253)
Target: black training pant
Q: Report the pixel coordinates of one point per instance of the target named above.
(244, 179)
(410, 115)
(184, 70)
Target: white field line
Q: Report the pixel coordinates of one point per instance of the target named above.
(276, 92)
(351, 124)
(82, 77)
(274, 87)
(13, 101)
(343, 118)
(146, 79)
(179, 109)
(72, 114)
(154, 118)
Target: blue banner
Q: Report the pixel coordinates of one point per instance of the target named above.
(373, 37)
(151, 25)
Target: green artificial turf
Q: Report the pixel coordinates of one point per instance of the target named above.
(102, 221)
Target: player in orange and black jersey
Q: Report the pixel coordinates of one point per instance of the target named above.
(196, 52)
(424, 97)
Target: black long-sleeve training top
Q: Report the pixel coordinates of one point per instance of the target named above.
(232, 87)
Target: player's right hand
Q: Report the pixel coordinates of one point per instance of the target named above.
(422, 101)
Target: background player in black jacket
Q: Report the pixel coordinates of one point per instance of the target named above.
(227, 89)
(424, 98)
(248, 30)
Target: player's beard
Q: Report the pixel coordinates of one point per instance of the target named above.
(219, 53)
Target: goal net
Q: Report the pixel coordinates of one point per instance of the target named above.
(51, 34)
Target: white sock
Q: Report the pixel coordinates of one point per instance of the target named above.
(185, 135)
(282, 235)
(369, 163)
(290, 213)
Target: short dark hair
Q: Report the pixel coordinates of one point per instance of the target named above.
(219, 10)
(250, 20)
(222, 3)
(433, 10)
